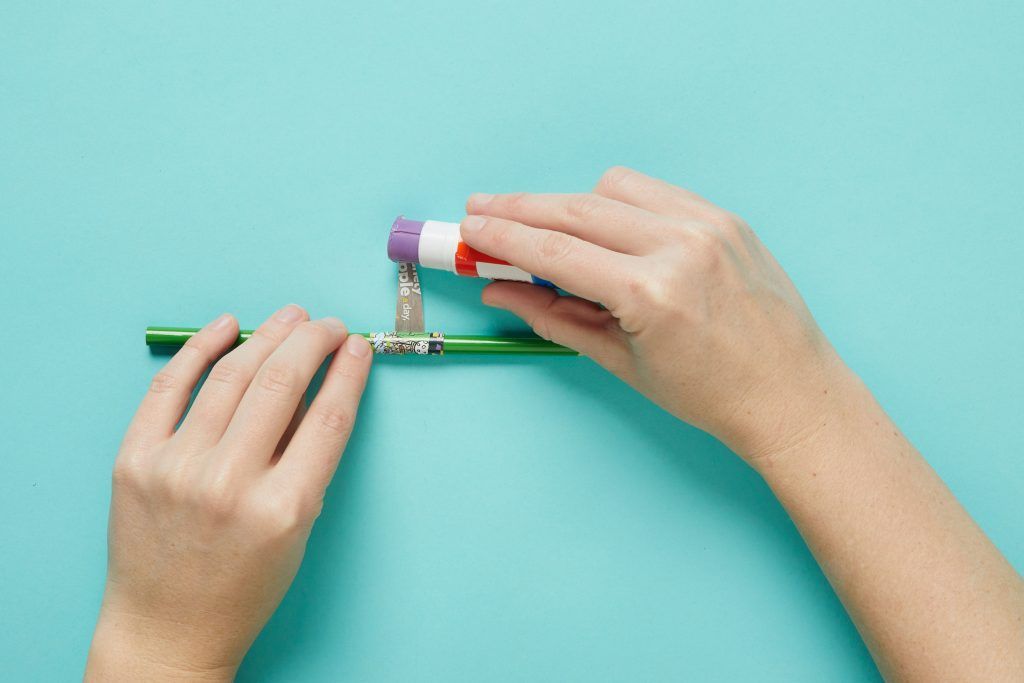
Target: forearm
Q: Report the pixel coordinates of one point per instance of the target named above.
(930, 594)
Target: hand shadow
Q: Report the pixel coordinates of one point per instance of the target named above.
(326, 587)
(327, 590)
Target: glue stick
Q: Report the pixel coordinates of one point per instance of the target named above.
(436, 244)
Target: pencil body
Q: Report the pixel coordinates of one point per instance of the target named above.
(425, 343)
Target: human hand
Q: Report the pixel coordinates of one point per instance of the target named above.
(209, 521)
(694, 311)
(697, 315)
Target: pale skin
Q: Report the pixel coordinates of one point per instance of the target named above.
(674, 295)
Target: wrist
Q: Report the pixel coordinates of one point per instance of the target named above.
(800, 418)
(131, 648)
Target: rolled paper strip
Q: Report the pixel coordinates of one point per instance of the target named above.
(437, 244)
(393, 343)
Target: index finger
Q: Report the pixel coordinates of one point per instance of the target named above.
(654, 195)
(575, 265)
(169, 392)
(601, 220)
(312, 455)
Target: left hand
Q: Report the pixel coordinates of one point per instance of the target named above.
(209, 520)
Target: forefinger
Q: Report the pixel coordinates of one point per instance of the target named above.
(575, 265)
(171, 388)
(651, 194)
(604, 221)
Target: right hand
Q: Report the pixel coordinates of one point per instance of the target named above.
(691, 309)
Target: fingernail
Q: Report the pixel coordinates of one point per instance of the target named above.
(224, 320)
(357, 346)
(334, 324)
(472, 224)
(290, 314)
(480, 198)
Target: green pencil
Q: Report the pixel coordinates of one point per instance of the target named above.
(423, 343)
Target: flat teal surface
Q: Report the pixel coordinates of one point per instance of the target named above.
(507, 520)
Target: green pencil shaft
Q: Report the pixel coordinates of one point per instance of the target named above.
(158, 335)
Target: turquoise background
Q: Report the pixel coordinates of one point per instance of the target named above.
(162, 162)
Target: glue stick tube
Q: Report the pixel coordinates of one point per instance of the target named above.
(435, 244)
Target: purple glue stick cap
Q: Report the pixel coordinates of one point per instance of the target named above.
(404, 240)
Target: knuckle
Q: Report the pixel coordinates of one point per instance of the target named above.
(127, 472)
(635, 286)
(216, 498)
(497, 232)
(288, 518)
(346, 371)
(554, 246)
(316, 331)
(542, 326)
(727, 222)
(169, 487)
(615, 177)
(268, 334)
(282, 512)
(542, 321)
(279, 378)
(516, 202)
(195, 347)
(704, 250)
(738, 227)
(310, 509)
(163, 382)
(582, 207)
(226, 371)
(651, 291)
(334, 420)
